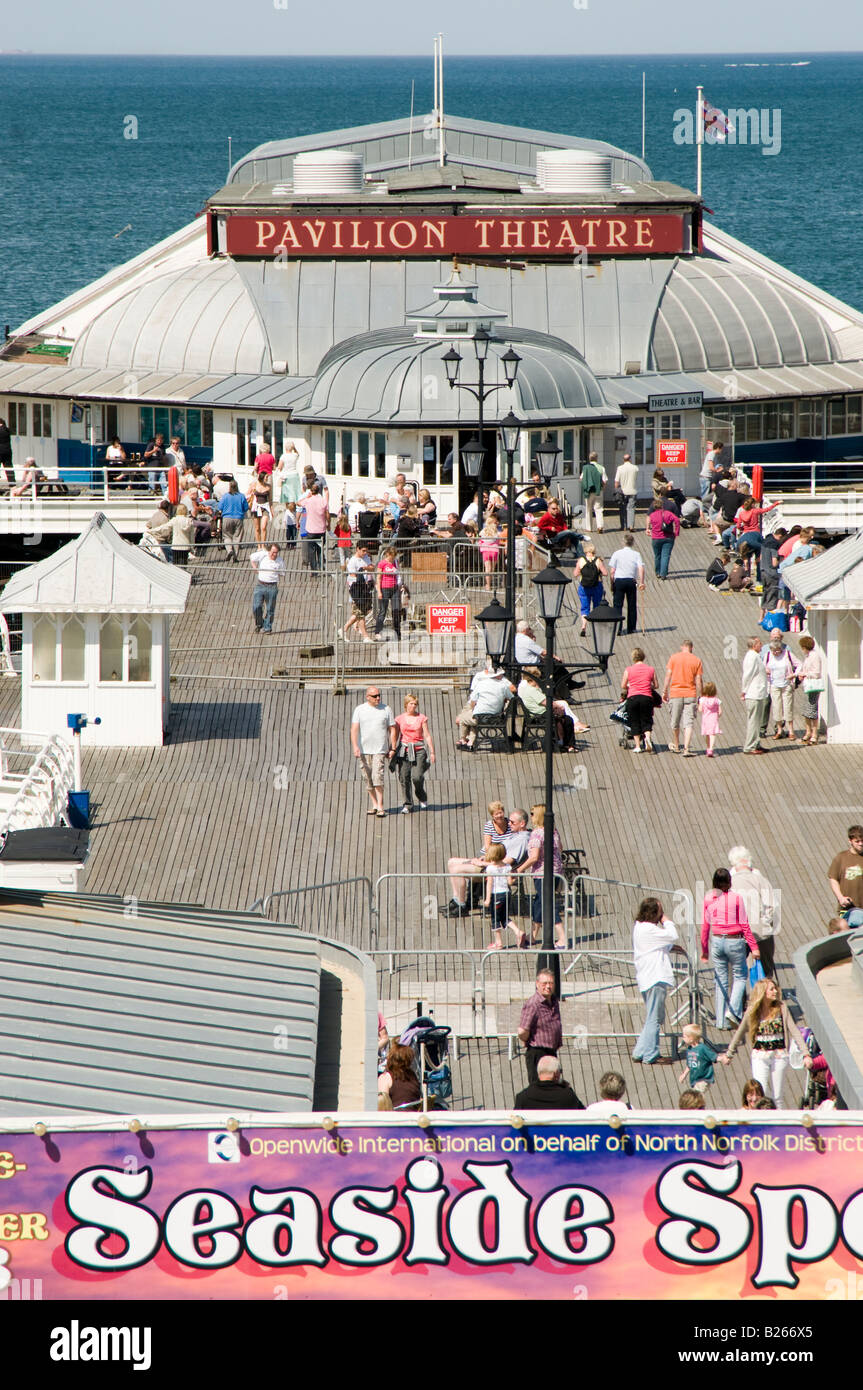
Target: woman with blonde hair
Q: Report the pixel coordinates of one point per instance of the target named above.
(588, 575)
(771, 1029)
(489, 549)
(414, 752)
(534, 865)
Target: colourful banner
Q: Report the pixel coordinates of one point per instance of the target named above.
(572, 1210)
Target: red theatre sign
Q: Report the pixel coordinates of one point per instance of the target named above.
(600, 235)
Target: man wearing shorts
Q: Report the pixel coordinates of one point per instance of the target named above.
(373, 739)
(682, 691)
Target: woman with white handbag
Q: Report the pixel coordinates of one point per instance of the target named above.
(811, 679)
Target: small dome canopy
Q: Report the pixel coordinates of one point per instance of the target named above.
(392, 377)
(197, 318)
(714, 316)
(97, 572)
(455, 311)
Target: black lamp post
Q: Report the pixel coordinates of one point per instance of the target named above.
(551, 586)
(482, 341)
(547, 455)
(510, 432)
(497, 624)
(605, 624)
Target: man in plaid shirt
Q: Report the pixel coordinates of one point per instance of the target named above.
(539, 1027)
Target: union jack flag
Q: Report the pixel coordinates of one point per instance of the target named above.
(715, 121)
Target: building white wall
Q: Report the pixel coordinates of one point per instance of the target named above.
(131, 714)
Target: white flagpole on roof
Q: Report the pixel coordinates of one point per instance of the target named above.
(699, 137)
(643, 110)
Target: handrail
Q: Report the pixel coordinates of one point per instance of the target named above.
(43, 794)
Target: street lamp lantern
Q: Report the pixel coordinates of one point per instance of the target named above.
(547, 455)
(510, 429)
(481, 343)
(605, 624)
(510, 360)
(472, 456)
(550, 588)
(497, 625)
(452, 362)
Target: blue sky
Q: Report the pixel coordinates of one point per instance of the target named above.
(473, 27)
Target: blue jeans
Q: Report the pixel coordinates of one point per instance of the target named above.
(725, 951)
(589, 598)
(264, 605)
(661, 556)
(647, 1047)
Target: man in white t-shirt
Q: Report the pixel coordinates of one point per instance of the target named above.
(374, 736)
(612, 1096)
(627, 577)
(626, 482)
(269, 568)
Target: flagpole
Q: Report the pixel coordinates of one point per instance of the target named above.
(699, 138)
(643, 110)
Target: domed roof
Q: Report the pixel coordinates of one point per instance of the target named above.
(713, 316)
(392, 377)
(196, 318)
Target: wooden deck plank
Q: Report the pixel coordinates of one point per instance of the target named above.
(208, 817)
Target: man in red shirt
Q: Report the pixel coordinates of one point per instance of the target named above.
(539, 1026)
(554, 531)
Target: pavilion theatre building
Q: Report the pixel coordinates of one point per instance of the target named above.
(316, 297)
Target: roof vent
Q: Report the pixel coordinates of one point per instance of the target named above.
(573, 171)
(328, 171)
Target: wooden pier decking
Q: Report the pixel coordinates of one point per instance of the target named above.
(258, 791)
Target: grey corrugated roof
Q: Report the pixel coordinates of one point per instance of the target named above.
(97, 572)
(196, 318)
(834, 578)
(272, 392)
(392, 377)
(714, 316)
(19, 378)
(634, 390)
(101, 1013)
(385, 144)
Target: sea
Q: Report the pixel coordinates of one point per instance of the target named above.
(100, 157)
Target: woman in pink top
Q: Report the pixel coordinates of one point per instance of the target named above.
(636, 688)
(726, 928)
(414, 753)
(389, 579)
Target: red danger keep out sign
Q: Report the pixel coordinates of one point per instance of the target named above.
(672, 453)
(447, 619)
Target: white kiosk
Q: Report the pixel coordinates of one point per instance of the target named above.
(830, 587)
(95, 638)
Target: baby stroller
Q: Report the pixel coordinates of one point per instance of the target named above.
(820, 1085)
(430, 1044)
(618, 716)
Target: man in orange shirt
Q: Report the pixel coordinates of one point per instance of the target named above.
(682, 690)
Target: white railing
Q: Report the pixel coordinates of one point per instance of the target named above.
(37, 794)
